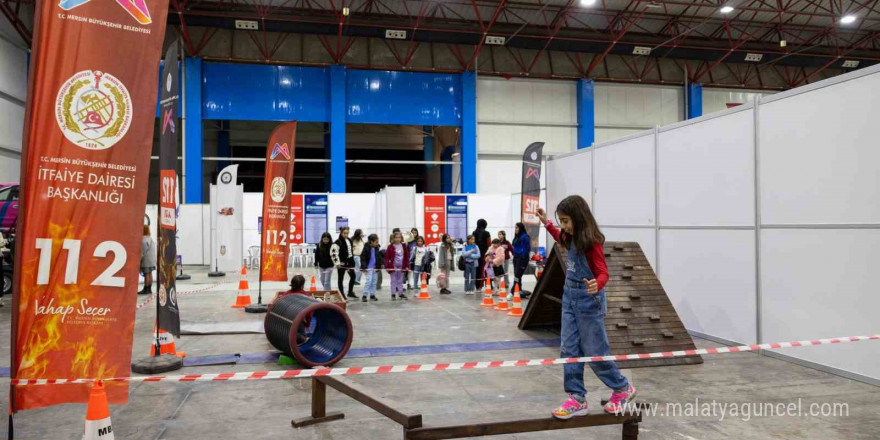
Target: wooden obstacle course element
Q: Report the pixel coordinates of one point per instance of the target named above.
(640, 316)
(414, 430)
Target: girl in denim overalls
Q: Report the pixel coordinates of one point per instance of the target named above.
(583, 308)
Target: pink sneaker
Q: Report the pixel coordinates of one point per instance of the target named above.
(618, 400)
(570, 408)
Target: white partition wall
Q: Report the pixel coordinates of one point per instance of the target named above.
(819, 173)
(767, 217)
(623, 182)
(706, 204)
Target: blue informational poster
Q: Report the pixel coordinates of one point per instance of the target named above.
(316, 217)
(456, 217)
(341, 222)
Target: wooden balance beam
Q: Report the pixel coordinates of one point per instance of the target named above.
(412, 423)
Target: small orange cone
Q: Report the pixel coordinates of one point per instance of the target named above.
(166, 344)
(502, 298)
(243, 299)
(98, 426)
(242, 282)
(488, 300)
(517, 310)
(423, 291)
(313, 288)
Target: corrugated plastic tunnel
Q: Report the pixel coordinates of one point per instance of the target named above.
(313, 332)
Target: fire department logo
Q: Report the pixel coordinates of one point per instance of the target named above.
(279, 188)
(93, 110)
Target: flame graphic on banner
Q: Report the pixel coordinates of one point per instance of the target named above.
(47, 352)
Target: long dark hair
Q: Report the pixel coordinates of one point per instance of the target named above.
(329, 239)
(358, 235)
(504, 234)
(341, 230)
(586, 230)
(443, 241)
(522, 233)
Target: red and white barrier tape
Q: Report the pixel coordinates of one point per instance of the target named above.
(292, 374)
(186, 292)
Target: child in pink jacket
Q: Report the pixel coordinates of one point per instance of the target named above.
(495, 258)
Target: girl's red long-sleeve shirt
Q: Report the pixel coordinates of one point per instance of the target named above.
(595, 257)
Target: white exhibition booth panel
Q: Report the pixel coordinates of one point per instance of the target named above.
(793, 264)
(706, 171)
(623, 182)
(819, 284)
(710, 278)
(819, 153)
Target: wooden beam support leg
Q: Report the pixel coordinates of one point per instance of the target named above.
(630, 430)
(319, 407)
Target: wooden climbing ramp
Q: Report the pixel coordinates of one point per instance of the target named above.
(640, 317)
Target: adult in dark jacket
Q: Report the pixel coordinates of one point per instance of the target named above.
(323, 259)
(483, 240)
(522, 249)
(346, 262)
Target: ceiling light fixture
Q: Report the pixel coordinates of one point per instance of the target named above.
(847, 19)
(588, 2)
(726, 9)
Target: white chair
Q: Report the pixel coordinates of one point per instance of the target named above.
(253, 257)
(297, 253)
(309, 255)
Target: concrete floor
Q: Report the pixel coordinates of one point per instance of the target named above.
(263, 409)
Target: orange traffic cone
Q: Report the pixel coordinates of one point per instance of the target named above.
(166, 344)
(423, 290)
(243, 299)
(488, 300)
(242, 282)
(313, 288)
(98, 426)
(517, 310)
(502, 298)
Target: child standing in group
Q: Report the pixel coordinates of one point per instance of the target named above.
(411, 243)
(323, 260)
(397, 263)
(508, 254)
(446, 263)
(422, 260)
(357, 241)
(471, 258)
(522, 248)
(584, 307)
(371, 265)
(495, 259)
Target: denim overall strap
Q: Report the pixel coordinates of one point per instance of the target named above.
(577, 270)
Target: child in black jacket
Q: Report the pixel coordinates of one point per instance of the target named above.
(323, 261)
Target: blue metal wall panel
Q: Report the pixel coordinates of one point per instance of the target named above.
(469, 132)
(406, 98)
(193, 181)
(257, 92)
(337, 128)
(695, 100)
(586, 113)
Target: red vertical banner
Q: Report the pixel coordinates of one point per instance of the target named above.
(297, 221)
(435, 218)
(276, 203)
(88, 132)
